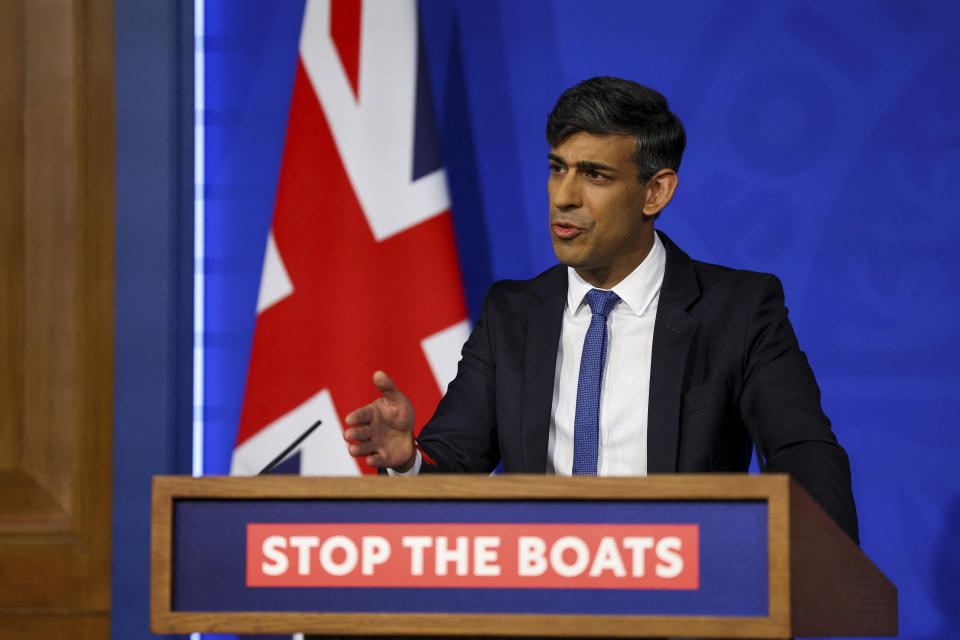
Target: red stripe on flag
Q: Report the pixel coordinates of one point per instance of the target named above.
(345, 33)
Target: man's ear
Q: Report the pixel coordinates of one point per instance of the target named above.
(659, 190)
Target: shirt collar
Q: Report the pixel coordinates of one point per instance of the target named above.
(637, 291)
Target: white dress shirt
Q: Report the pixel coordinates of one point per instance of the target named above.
(625, 390)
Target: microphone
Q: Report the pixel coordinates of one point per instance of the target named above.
(285, 452)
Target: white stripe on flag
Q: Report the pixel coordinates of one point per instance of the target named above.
(275, 283)
(324, 453)
(443, 350)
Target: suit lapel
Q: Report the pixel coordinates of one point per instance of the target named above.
(672, 334)
(544, 320)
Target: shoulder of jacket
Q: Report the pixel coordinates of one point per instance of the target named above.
(544, 283)
(715, 275)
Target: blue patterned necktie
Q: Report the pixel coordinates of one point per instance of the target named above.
(586, 423)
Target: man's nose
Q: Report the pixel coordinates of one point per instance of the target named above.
(567, 194)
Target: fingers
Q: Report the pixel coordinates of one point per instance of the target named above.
(371, 426)
(389, 390)
(358, 449)
(360, 439)
(353, 434)
(373, 457)
(363, 415)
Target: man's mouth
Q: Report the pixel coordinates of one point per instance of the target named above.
(565, 230)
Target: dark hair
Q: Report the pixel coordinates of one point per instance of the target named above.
(614, 106)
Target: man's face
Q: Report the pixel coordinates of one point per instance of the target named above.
(596, 207)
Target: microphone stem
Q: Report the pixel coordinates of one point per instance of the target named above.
(285, 452)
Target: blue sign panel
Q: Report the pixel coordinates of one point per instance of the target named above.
(211, 549)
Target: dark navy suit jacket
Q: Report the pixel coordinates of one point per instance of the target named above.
(726, 375)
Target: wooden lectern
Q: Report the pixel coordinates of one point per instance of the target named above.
(709, 556)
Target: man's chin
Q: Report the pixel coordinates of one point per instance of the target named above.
(567, 256)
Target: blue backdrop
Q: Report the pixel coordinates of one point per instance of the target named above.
(823, 146)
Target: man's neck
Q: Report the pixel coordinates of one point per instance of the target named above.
(609, 277)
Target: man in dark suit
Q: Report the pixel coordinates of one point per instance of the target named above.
(684, 367)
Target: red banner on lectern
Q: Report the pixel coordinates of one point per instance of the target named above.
(457, 555)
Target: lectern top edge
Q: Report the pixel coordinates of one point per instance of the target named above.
(472, 486)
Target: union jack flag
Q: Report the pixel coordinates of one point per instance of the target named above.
(360, 271)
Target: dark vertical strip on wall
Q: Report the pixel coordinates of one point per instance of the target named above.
(185, 268)
(154, 283)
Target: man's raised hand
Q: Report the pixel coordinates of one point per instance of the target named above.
(382, 431)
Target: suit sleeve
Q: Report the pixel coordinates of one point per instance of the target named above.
(780, 405)
(461, 437)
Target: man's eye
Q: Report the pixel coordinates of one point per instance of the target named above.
(594, 175)
(555, 168)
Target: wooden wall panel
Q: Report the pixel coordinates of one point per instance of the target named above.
(56, 317)
(55, 627)
(11, 233)
(49, 168)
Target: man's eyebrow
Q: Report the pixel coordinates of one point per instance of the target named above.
(583, 165)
